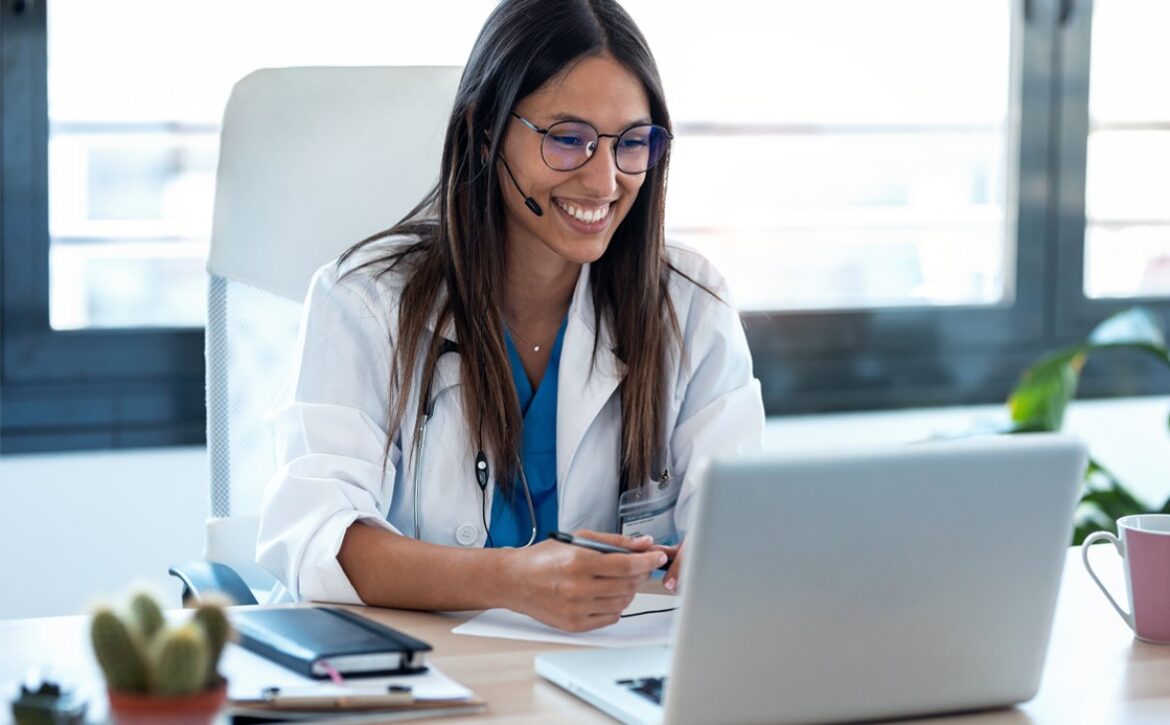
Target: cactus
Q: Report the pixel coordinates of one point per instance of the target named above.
(139, 654)
(120, 656)
(217, 630)
(180, 661)
(146, 616)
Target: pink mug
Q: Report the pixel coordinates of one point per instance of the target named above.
(1144, 546)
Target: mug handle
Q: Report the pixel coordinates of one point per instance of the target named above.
(1089, 541)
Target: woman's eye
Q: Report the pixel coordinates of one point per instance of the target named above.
(635, 143)
(569, 141)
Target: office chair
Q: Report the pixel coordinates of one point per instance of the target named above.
(311, 161)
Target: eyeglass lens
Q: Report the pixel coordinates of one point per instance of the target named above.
(569, 144)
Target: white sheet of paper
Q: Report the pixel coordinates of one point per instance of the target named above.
(248, 674)
(648, 629)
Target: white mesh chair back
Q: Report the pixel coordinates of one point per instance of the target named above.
(311, 161)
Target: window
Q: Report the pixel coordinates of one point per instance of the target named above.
(133, 144)
(1111, 237)
(1127, 194)
(846, 174)
(911, 199)
(879, 181)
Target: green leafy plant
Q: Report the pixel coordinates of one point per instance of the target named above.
(140, 654)
(1039, 401)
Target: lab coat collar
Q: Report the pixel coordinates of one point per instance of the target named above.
(448, 331)
(584, 385)
(447, 367)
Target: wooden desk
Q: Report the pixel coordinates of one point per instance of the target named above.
(1096, 671)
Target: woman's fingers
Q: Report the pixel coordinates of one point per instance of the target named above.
(640, 544)
(634, 543)
(589, 614)
(611, 605)
(604, 586)
(671, 551)
(577, 589)
(587, 622)
(627, 565)
(670, 581)
(590, 567)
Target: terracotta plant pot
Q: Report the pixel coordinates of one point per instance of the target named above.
(137, 709)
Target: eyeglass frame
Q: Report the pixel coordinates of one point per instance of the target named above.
(616, 137)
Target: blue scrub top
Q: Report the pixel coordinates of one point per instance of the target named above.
(511, 525)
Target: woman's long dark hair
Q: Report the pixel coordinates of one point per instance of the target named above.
(460, 250)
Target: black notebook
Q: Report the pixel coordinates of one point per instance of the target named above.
(315, 640)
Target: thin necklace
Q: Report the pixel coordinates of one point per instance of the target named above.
(535, 348)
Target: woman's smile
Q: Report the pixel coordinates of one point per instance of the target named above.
(584, 217)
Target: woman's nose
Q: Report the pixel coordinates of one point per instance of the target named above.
(600, 173)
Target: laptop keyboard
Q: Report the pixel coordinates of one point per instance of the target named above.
(648, 687)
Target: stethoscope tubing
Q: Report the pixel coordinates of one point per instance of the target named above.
(420, 447)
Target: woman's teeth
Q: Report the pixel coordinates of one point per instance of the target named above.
(582, 215)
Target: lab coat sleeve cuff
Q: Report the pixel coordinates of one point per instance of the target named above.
(321, 577)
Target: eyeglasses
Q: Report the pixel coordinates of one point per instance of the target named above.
(568, 145)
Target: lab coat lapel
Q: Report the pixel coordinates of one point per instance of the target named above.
(582, 392)
(448, 374)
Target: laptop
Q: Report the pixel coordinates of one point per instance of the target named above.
(854, 585)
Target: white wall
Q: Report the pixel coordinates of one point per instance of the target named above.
(77, 526)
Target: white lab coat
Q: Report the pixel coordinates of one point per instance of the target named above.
(330, 425)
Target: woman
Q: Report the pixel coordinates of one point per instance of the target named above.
(592, 364)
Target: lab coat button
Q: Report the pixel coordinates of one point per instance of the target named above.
(466, 535)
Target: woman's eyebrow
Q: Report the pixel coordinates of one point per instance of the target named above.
(557, 117)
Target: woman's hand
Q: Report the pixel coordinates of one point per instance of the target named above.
(670, 581)
(576, 589)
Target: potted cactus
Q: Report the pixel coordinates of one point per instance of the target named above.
(157, 673)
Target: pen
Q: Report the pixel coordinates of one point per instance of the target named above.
(327, 698)
(598, 546)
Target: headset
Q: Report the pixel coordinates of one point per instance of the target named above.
(482, 471)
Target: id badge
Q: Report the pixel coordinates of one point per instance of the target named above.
(649, 510)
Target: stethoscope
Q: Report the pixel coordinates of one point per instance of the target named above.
(482, 472)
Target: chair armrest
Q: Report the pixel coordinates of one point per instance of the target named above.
(201, 578)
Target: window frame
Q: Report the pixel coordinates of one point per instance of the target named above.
(926, 356)
(1077, 313)
(1073, 313)
(63, 390)
(77, 389)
